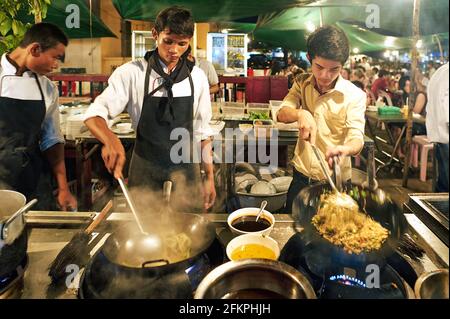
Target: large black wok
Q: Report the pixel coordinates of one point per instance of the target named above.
(135, 265)
(325, 256)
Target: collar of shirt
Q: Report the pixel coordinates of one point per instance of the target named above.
(340, 85)
(8, 68)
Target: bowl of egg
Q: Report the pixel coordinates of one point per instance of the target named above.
(252, 246)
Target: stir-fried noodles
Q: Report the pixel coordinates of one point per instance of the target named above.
(347, 227)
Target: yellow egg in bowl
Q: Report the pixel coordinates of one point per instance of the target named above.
(252, 246)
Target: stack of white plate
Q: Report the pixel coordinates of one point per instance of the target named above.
(74, 126)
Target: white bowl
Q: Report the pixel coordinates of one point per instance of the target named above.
(250, 211)
(247, 239)
(246, 128)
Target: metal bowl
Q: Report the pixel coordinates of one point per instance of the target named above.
(255, 279)
(432, 285)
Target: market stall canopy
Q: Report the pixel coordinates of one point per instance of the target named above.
(395, 16)
(204, 10)
(90, 26)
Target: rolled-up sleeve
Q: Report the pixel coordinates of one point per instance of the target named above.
(203, 130)
(355, 121)
(51, 131)
(294, 98)
(114, 98)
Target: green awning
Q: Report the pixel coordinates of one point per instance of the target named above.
(203, 10)
(395, 16)
(57, 14)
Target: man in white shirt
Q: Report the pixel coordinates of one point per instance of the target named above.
(437, 123)
(166, 97)
(29, 117)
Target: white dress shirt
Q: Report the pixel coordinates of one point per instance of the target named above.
(126, 91)
(437, 106)
(12, 86)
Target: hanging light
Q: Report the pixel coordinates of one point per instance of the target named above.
(355, 50)
(419, 44)
(310, 26)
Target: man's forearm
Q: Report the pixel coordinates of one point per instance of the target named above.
(98, 127)
(55, 157)
(287, 115)
(353, 147)
(207, 159)
(213, 89)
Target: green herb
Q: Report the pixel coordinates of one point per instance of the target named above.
(259, 116)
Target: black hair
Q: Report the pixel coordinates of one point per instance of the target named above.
(46, 34)
(359, 84)
(328, 42)
(375, 69)
(383, 73)
(177, 20)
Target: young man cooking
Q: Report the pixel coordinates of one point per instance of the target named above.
(29, 116)
(329, 111)
(164, 93)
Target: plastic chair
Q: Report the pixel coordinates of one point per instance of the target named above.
(421, 142)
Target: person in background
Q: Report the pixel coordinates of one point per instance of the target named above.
(276, 68)
(380, 84)
(365, 64)
(29, 118)
(437, 123)
(430, 69)
(210, 72)
(330, 111)
(345, 73)
(168, 99)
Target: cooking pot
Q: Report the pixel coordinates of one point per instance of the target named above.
(255, 279)
(432, 285)
(325, 256)
(13, 238)
(135, 265)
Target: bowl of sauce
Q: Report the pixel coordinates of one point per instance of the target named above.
(243, 221)
(250, 246)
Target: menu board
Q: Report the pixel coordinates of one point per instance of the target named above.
(227, 52)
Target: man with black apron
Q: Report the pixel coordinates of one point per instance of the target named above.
(168, 100)
(29, 117)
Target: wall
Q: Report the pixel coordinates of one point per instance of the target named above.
(84, 53)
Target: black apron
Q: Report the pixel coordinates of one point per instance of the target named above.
(20, 156)
(151, 164)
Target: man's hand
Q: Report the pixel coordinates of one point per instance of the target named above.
(113, 155)
(307, 126)
(66, 201)
(209, 193)
(338, 151)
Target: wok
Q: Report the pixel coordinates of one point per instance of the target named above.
(325, 255)
(135, 265)
(128, 247)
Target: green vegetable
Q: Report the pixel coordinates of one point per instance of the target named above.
(259, 116)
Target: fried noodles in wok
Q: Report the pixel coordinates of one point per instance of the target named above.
(347, 227)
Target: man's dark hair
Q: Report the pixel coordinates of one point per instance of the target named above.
(383, 73)
(328, 42)
(375, 70)
(46, 34)
(177, 20)
(359, 84)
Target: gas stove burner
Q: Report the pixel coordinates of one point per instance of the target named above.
(154, 285)
(347, 280)
(332, 280)
(11, 284)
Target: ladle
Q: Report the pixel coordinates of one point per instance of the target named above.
(261, 209)
(347, 200)
(131, 204)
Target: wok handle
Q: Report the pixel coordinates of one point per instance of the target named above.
(146, 263)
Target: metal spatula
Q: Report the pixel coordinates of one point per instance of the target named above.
(347, 199)
(131, 204)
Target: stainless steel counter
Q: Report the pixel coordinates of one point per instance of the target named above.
(46, 242)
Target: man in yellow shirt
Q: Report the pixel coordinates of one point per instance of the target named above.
(329, 111)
